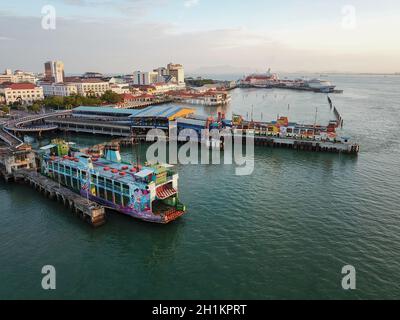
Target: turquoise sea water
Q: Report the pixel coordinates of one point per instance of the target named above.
(285, 232)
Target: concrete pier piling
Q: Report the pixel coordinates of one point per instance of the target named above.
(87, 210)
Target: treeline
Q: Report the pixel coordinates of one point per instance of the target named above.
(109, 97)
(198, 82)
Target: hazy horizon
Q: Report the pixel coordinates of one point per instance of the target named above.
(207, 37)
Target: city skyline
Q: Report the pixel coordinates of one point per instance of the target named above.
(206, 37)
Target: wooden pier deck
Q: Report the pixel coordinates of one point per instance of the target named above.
(87, 210)
(307, 145)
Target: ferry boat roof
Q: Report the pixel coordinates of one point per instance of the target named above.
(109, 169)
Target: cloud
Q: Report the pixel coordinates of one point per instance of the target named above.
(75, 2)
(121, 45)
(191, 3)
(125, 7)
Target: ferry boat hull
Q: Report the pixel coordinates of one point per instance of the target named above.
(146, 216)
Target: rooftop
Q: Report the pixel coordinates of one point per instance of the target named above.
(105, 168)
(190, 121)
(170, 112)
(105, 110)
(83, 80)
(20, 86)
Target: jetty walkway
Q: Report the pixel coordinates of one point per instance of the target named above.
(11, 140)
(87, 210)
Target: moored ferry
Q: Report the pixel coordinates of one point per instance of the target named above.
(149, 193)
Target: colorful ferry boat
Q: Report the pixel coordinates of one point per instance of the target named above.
(149, 193)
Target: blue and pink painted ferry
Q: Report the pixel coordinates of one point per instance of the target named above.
(149, 193)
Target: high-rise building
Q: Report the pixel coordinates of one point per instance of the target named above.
(54, 71)
(59, 71)
(177, 71)
(48, 70)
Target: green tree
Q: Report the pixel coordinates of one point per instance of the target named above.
(5, 109)
(111, 97)
(91, 101)
(53, 102)
(72, 101)
(35, 107)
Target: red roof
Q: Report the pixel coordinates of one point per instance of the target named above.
(146, 96)
(127, 96)
(21, 86)
(131, 97)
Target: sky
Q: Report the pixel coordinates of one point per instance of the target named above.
(206, 36)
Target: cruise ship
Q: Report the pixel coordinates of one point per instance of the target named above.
(148, 193)
(320, 85)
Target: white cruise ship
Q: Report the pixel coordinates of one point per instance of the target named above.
(320, 85)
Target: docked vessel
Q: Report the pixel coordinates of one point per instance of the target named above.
(272, 80)
(147, 193)
(262, 80)
(320, 85)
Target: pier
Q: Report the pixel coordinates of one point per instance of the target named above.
(280, 86)
(132, 127)
(129, 137)
(18, 163)
(307, 145)
(87, 210)
(79, 125)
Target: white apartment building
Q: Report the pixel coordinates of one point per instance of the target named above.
(177, 71)
(162, 74)
(119, 88)
(86, 87)
(22, 76)
(7, 76)
(145, 78)
(58, 89)
(26, 93)
(17, 77)
(166, 87)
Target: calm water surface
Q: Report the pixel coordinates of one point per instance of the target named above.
(284, 232)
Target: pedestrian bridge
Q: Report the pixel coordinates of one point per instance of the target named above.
(27, 124)
(9, 139)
